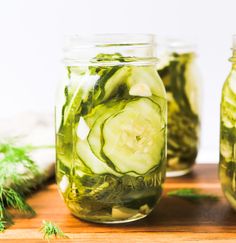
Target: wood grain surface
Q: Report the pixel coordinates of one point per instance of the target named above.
(173, 220)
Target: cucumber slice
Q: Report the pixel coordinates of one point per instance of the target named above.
(192, 85)
(78, 91)
(95, 135)
(140, 89)
(232, 83)
(92, 117)
(146, 78)
(91, 161)
(134, 138)
(228, 106)
(100, 110)
(115, 81)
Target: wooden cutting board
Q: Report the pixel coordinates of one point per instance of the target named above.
(173, 220)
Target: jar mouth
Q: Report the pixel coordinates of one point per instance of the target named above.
(134, 48)
(233, 42)
(173, 45)
(99, 40)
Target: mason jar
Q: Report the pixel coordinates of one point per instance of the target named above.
(227, 166)
(111, 128)
(179, 72)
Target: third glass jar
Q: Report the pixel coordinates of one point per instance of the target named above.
(180, 75)
(227, 166)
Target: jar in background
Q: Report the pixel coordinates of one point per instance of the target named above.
(227, 166)
(179, 73)
(111, 128)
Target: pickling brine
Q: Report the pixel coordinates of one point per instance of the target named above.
(111, 130)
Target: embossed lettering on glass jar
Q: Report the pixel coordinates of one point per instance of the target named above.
(111, 128)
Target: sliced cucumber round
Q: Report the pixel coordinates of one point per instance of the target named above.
(228, 107)
(95, 135)
(192, 79)
(78, 92)
(91, 161)
(232, 83)
(114, 82)
(134, 138)
(101, 109)
(146, 79)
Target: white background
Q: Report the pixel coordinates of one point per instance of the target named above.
(31, 34)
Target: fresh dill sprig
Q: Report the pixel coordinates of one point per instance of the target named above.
(19, 175)
(5, 218)
(11, 198)
(2, 225)
(192, 194)
(50, 230)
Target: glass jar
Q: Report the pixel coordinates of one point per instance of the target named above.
(179, 73)
(111, 128)
(227, 166)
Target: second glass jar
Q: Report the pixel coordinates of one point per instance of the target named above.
(180, 75)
